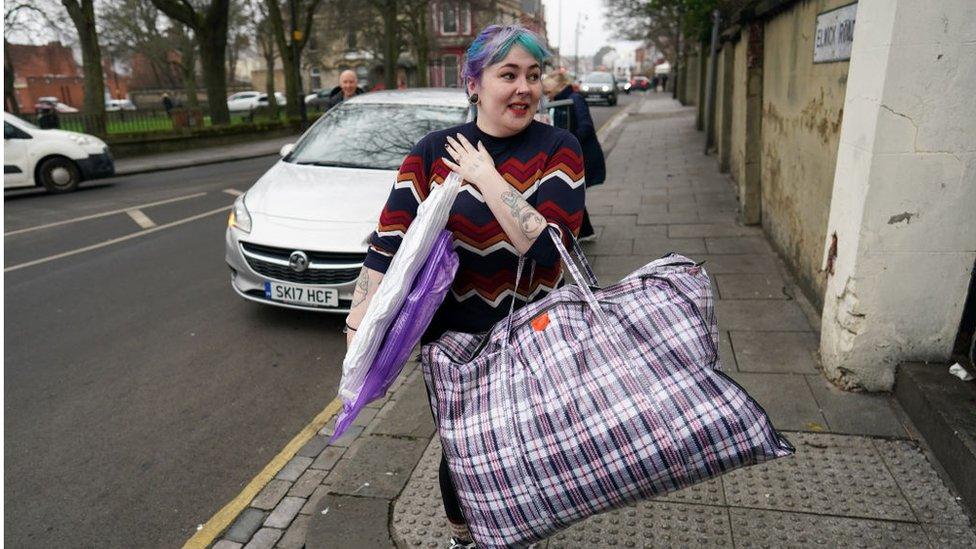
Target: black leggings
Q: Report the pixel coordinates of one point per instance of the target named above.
(452, 508)
(451, 505)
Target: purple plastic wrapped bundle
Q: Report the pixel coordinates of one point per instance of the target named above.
(426, 295)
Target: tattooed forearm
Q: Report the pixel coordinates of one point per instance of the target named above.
(362, 289)
(529, 220)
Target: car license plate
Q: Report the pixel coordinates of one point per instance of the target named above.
(301, 295)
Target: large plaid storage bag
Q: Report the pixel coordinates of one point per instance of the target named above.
(588, 400)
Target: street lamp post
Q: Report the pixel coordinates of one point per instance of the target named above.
(579, 19)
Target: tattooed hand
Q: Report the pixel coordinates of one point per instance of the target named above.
(474, 164)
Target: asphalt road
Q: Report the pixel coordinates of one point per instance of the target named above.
(140, 393)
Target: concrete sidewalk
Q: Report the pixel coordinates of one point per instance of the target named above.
(859, 478)
(200, 157)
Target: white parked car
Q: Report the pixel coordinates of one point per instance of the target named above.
(58, 160)
(298, 237)
(51, 101)
(247, 101)
(113, 105)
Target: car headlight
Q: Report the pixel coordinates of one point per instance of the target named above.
(239, 216)
(585, 88)
(606, 88)
(81, 139)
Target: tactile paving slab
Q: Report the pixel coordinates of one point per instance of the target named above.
(926, 493)
(418, 514)
(950, 536)
(754, 528)
(418, 517)
(829, 474)
(650, 524)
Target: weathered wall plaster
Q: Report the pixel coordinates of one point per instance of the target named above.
(737, 141)
(904, 192)
(803, 105)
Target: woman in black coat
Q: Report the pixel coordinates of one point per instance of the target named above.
(556, 87)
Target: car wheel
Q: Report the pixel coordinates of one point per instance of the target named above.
(612, 102)
(59, 175)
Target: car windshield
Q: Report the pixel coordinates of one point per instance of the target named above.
(598, 78)
(374, 136)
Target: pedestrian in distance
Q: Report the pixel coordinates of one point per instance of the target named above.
(167, 103)
(348, 87)
(578, 121)
(520, 175)
(47, 117)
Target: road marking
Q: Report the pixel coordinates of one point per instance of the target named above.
(103, 214)
(233, 192)
(220, 521)
(114, 240)
(141, 219)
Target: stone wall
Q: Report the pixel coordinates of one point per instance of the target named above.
(737, 141)
(802, 109)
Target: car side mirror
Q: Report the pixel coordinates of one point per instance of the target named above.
(286, 149)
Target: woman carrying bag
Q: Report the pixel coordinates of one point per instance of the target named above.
(519, 176)
(579, 122)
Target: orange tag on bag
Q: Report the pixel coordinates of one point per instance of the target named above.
(540, 322)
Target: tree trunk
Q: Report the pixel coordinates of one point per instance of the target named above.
(9, 79)
(292, 93)
(213, 44)
(423, 52)
(390, 47)
(83, 17)
(269, 79)
(188, 69)
(210, 30)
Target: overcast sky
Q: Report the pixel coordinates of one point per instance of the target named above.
(592, 35)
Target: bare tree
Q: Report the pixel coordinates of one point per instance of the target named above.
(291, 50)
(654, 21)
(136, 27)
(209, 26)
(82, 14)
(238, 36)
(264, 38)
(20, 17)
(187, 64)
(416, 25)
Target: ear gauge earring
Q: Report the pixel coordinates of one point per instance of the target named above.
(473, 99)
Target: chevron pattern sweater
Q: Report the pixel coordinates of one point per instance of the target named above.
(545, 164)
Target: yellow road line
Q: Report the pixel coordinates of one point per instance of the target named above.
(233, 192)
(103, 214)
(223, 519)
(114, 240)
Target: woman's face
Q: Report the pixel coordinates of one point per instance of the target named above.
(508, 93)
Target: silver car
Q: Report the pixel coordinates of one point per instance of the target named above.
(298, 237)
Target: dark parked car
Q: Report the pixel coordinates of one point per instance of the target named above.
(599, 86)
(642, 83)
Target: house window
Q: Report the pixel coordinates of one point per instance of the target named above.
(455, 18)
(449, 18)
(450, 71)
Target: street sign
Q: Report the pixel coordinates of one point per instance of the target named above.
(835, 34)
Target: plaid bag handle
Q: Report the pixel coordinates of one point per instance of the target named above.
(585, 280)
(584, 283)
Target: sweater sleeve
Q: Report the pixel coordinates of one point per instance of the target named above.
(560, 198)
(408, 192)
(584, 122)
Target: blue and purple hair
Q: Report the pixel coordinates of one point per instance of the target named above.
(492, 45)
